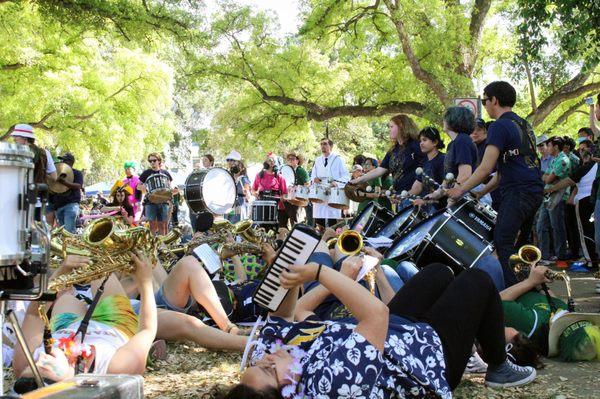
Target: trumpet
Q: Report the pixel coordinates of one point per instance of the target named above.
(351, 243)
(529, 255)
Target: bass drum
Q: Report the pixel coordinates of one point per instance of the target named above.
(477, 217)
(440, 239)
(288, 174)
(400, 223)
(371, 220)
(210, 190)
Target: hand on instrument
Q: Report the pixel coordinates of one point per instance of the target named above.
(268, 253)
(477, 194)
(317, 180)
(418, 202)
(351, 266)
(373, 252)
(75, 261)
(124, 212)
(55, 366)
(455, 192)
(299, 274)
(143, 267)
(328, 234)
(436, 195)
(537, 275)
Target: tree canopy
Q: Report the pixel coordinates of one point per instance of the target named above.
(111, 80)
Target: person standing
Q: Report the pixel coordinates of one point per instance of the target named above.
(65, 206)
(294, 213)
(403, 158)
(511, 150)
(555, 218)
(270, 185)
(431, 145)
(156, 214)
(132, 180)
(44, 170)
(243, 192)
(329, 168)
(208, 161)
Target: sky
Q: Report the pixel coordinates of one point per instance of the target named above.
(287, 10)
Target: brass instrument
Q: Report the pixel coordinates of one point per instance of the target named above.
(350, 243)
(529, 255)
(107, 242)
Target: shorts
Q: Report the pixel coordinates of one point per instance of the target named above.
(163, 303)
(156, 212)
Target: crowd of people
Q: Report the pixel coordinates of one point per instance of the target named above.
(415, 332)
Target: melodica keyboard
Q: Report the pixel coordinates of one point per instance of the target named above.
(296, 249)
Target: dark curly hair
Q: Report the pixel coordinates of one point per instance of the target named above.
(241, 391)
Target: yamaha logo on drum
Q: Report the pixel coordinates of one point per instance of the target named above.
(480, 221)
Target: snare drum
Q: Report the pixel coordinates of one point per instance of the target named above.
(317, 193)
(264, 212)
(158, 187)
(442, 238)
(371, 220)
(16, 173)
(337, 198)
(210, 190)
(300, 196)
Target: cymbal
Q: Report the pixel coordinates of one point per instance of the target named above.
(356, 192)
(66, 172)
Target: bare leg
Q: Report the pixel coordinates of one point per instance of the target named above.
(188, 277)
(175, 326)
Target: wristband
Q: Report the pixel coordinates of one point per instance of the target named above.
(318, 272)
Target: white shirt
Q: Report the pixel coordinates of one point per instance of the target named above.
(584, 187)
(50, 167)
(335, 170)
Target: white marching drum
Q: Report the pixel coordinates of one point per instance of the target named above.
(264, 212)
(300, 196)
(210, 190)
(159, 188)
(16, 163)
(288, 174)
(317, 193)
(337, 198)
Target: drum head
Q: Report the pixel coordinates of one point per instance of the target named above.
(360, 221)
(218, 191)
(287, 172)
(403, 245)
(398, 223)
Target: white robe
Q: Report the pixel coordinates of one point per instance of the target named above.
(335, 170)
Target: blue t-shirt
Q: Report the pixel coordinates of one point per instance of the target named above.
(433, 168)
(461, 151)
(480, 151)
(402, 162)
(515, 174)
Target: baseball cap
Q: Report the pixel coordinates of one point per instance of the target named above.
(539, 140)
(480, 122)
(67, 157)
(233, 156)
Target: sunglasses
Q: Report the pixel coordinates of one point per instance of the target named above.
(153, 160)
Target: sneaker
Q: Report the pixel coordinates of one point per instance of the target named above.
(476, 365)
(509, 374)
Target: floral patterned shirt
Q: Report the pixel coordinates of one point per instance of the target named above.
(341, 363)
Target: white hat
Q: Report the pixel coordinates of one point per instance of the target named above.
(23, 130)
(561, 321)
(234, 156)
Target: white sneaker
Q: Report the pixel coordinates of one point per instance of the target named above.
(476, 365)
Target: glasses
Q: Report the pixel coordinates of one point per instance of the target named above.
(485, 99)
(153, 160)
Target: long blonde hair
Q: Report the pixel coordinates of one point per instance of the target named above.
(407, 130)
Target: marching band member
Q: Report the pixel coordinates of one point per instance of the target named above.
(157, 214)
(511, 149)
(121, 199)
(294, 213)
(403, 158)
(430, 143)
(132, 180)
(269, 184)
(328, 168)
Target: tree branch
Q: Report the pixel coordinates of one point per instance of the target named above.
(478, 15)
(424, 76)
(565, 115)
(113, 95)
(11, 67)
(572, 89)
(41, 124)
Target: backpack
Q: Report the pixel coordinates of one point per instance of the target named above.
(527, 149)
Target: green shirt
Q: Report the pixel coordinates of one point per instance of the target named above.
(561, 167)
(528, 313)
(301, 176)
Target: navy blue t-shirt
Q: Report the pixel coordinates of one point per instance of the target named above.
(433, 168)
(70, 196)
(515, 174)
(461, 151)
(480, 151)
(402, 162)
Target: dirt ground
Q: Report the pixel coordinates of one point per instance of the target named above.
(192, 372)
